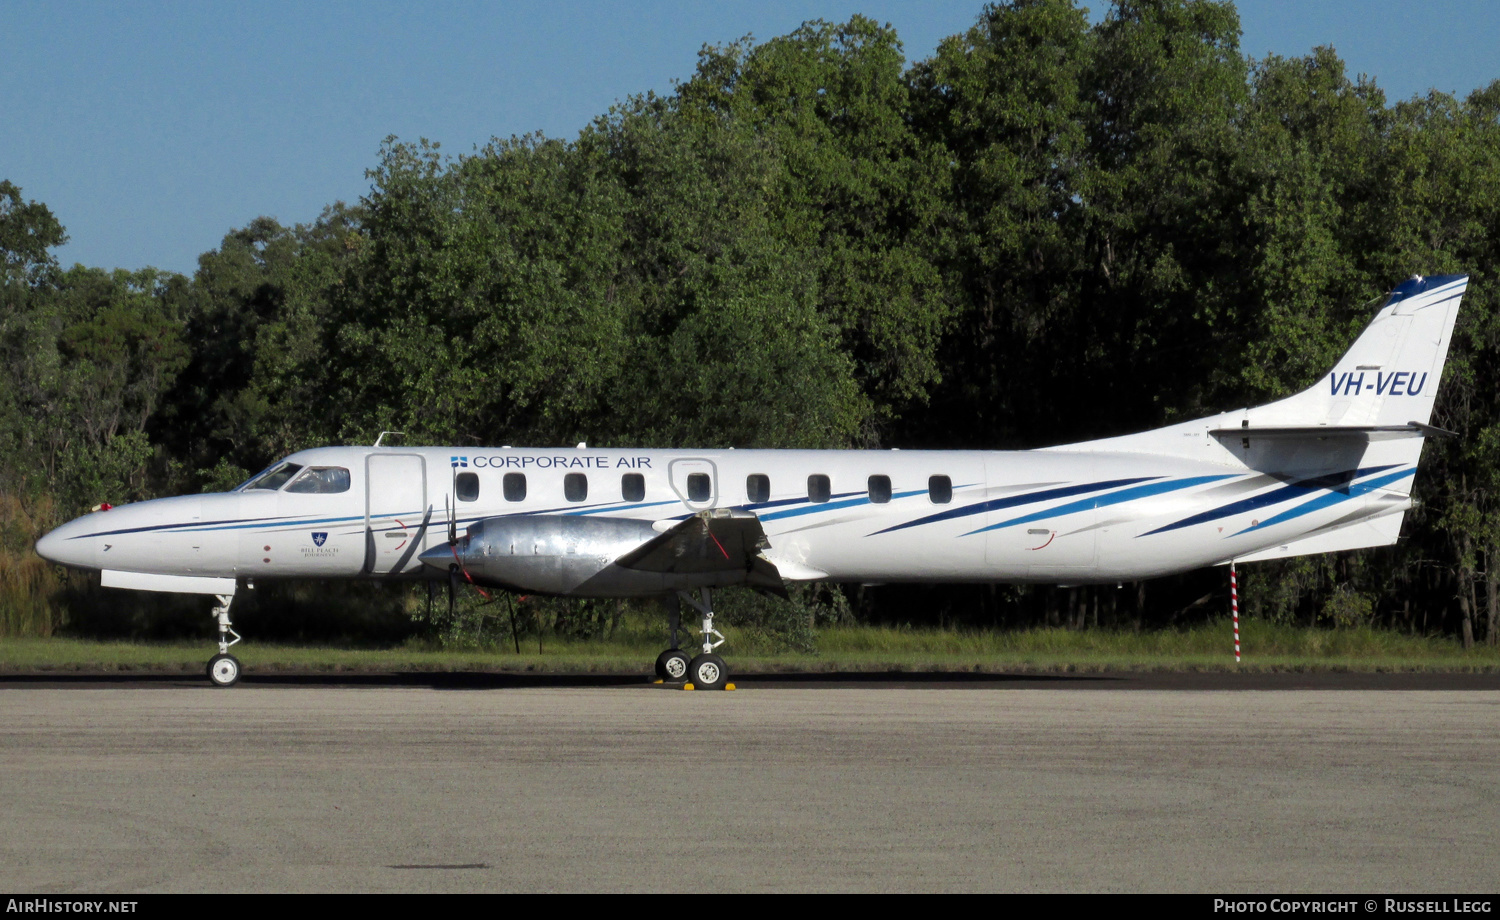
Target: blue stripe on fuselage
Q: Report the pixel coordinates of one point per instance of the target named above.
(1285, 493)
(231, 524)
(1011, 501)
(1332, 498)
(1113, 498)
(864, 499)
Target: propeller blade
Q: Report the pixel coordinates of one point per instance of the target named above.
(453, 511)
(514, 633)
(452, 589)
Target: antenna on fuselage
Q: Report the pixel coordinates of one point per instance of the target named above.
(383, 434)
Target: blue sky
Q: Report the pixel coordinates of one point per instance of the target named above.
(153, 128)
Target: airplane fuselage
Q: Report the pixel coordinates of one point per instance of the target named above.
(1052, 516)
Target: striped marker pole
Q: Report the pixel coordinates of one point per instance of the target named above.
(1234, 607)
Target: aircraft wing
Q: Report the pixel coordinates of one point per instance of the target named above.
(710, 542)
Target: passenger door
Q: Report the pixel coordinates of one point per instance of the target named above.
(397, 514)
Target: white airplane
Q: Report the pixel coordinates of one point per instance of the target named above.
(1328, 469)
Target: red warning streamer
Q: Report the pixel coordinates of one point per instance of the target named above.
(467, 577)
(1234, 607)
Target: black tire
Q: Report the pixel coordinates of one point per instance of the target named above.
(708, 672)
(224, 670)
(672, 665)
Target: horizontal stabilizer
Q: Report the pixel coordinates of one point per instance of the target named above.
(1364, 433)
(710, 541)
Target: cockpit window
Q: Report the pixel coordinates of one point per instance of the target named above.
(321, 480)
(242, 486)
(273, 478)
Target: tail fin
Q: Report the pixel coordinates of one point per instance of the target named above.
(1390, 376)
(1351, 441)
(1376, 401)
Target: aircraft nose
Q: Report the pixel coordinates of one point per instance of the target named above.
(49, 547)
(61, 547)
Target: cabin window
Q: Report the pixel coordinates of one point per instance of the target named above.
(880, 489)
(818, 488)
(698, 487)
(758, 487)
(514, 486)
(466, 487)
(274, 478)
(575, 487)
(321, 480)
(939, 490)
(633, 487)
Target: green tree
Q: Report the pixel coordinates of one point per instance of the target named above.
(860, 187)
(28, 230)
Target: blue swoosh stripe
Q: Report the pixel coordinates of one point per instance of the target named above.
(617, 508)
(1011, 501)
(783, 502)
(1114, 498)
(189, 527)
(292, 522)
(864, 499)
(1285, 493)
(1332, 498)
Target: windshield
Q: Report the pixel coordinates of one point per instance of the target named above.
(241, 486)
(273, 478)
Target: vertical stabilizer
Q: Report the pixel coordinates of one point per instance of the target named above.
(1390, 375)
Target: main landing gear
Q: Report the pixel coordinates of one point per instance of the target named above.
(224, 668)
(705, 671)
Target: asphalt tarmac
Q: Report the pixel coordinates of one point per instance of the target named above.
(114, 785)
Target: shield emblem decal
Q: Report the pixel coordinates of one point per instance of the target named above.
(318, 538)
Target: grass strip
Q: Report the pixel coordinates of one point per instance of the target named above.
(848, 649)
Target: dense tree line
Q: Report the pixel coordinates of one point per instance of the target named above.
(1048, 231)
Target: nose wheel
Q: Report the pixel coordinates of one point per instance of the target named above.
(224, 669)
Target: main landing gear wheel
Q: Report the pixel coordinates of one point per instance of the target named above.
(708, 672)
(224, 670)
(672, 665)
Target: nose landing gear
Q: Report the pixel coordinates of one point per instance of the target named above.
(224, 668)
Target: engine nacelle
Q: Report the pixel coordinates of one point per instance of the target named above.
(565, 554)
